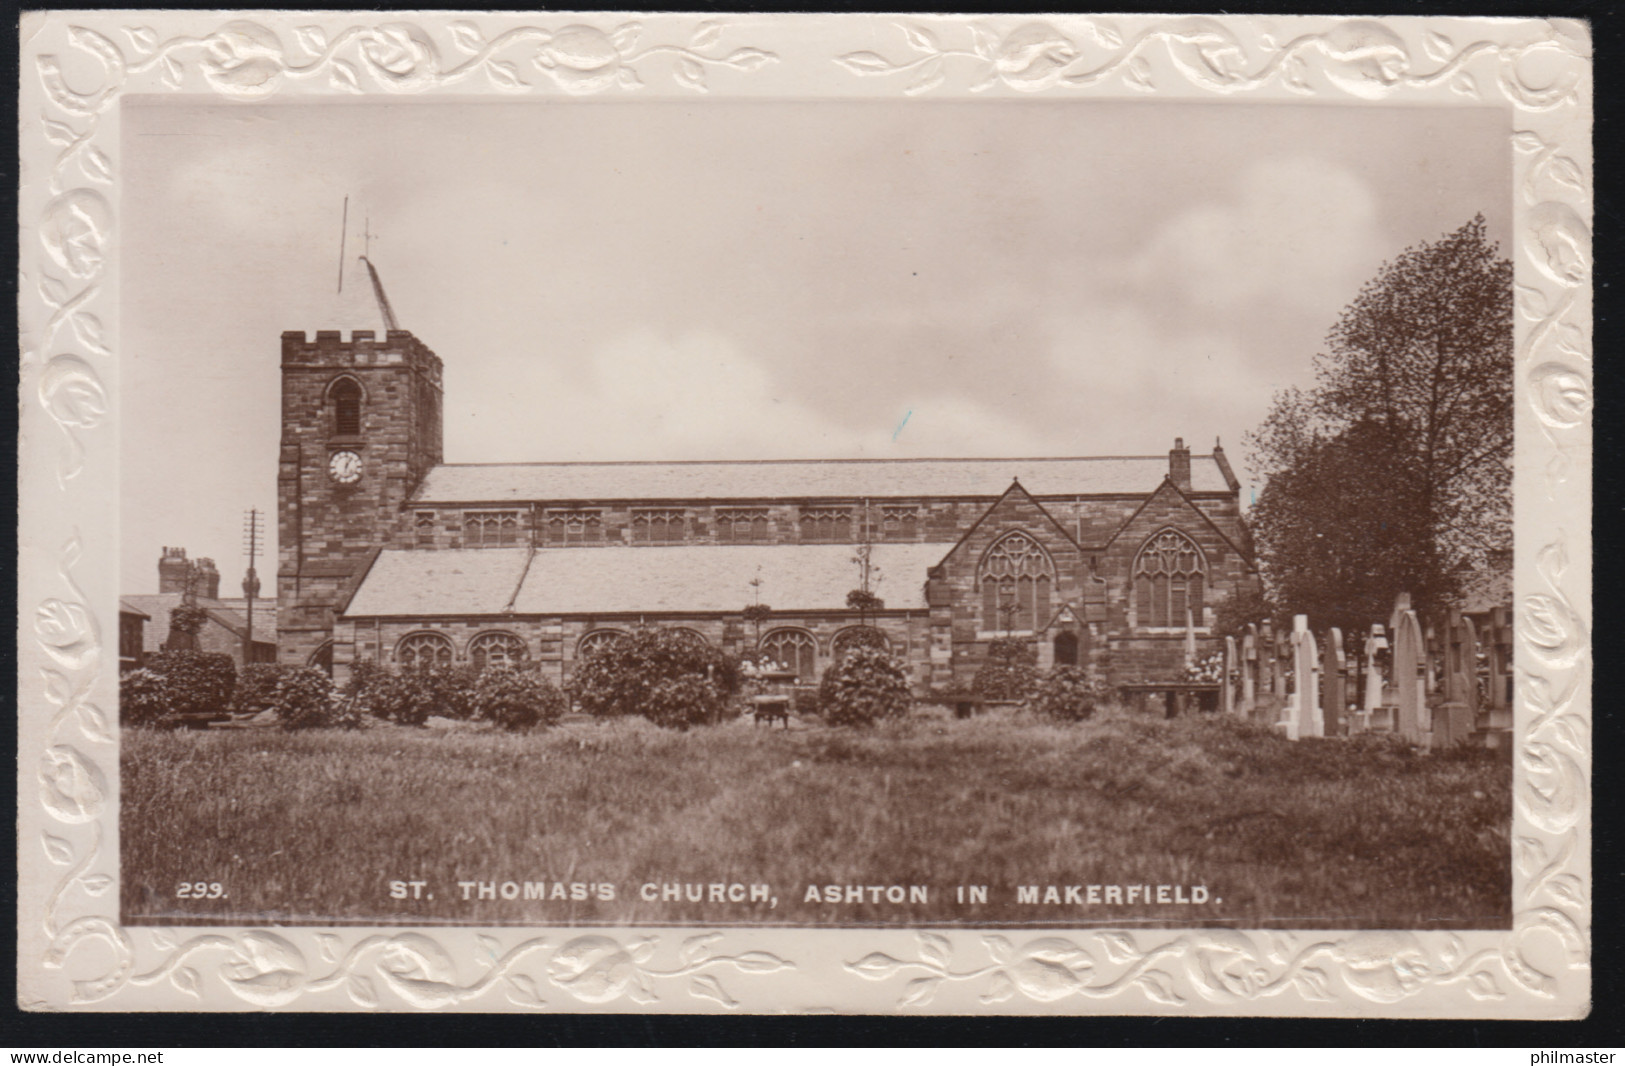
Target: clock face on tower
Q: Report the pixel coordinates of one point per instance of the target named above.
(344, 467)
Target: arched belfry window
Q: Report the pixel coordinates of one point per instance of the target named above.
(1169, 576)
(346, 397)
(1016, 578)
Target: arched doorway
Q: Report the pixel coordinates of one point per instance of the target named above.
(1066, 648)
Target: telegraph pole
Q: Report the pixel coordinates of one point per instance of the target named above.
(253, 534)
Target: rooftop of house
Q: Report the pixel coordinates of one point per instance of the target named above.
(627, 580)
(845, 479)
(231, 615)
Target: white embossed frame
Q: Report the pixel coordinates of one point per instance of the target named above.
(77, 67)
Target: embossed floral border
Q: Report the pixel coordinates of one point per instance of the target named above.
(76, 66)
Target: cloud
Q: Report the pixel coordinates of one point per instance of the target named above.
(1302, 232)
(646, 395)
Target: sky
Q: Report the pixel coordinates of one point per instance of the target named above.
(812, 279)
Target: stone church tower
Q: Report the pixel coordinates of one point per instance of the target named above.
(361, 426)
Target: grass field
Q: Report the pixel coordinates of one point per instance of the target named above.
(313, 827)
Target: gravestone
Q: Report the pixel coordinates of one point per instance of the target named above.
(1498, 638)
(1409, 677)
(1375, 642)
(1452, 725)
(1333, 685)
(1430, 657)
(1281, 656)
(1303, 709)
(1249, 670)
(1227, 678)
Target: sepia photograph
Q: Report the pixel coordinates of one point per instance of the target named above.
(1013, 514)
(817, 513)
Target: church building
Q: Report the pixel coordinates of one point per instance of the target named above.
(389, 554)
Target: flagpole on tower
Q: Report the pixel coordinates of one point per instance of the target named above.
(344, 226)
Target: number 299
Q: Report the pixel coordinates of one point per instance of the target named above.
(201, 890)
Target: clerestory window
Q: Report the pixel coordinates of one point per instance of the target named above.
(490, 529)
(743, 525)
(658, 526)
(574, 527)
(826, 524)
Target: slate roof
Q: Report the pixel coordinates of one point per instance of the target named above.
(228, 615)
(656, 579)
(126, 607)
(796, 478)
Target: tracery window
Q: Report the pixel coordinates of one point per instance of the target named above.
(597, 640)
(574, 527)
(899, 521)
(1016, 578)
(658, 526)
(743, 525)
(497, 651)
(854, 636)
(826, 523)
(420, 651)
(796, 649)
(346, 396)
(423, 526)
(1169, 575)
(490, 529)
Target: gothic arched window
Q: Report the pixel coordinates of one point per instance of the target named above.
(1016, 578)
(596, 640)
(420, 651)
(346, 396)
(1168, 577)
(496, 651)
(796, 649)
(856, 636)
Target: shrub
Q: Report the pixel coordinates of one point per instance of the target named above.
(305, 699)
(256, 687)
(516, 699)
(861, 637)
(194, 683)
(411, 697)
(1008, 673)
(1069, 693)
(864, 687)
(639, 673)
(143, 698)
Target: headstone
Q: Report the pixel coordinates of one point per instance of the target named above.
(1266, 658)
(1409, 678)
(1452, 725)
(1430, 655)
(1249, 670)
(1499, 639)
(1375, 642)
(1333, 685)
(1282, 654)
(1227, 678)
(1303, 710)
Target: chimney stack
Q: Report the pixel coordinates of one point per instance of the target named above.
(1179, 465)
(208, 580)
(173, 569)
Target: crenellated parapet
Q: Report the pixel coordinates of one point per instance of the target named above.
(329, 349)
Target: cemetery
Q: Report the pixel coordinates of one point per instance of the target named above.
(1436, 685)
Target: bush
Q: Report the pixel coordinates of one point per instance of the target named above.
(864, 687)
(411, 697)
(200, 681)
(1008, 673)
(1069, 693)
(516, 699)
(256, 687)
(143, 698)
(639, 674)
(860, 637)
(305, 699)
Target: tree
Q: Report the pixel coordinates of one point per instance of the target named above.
(1395, 469)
